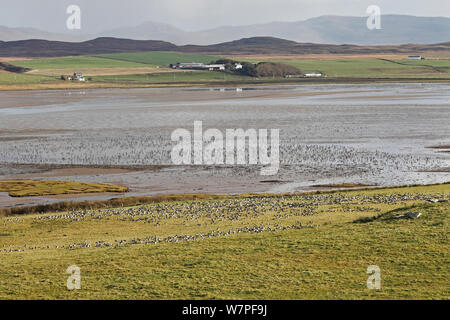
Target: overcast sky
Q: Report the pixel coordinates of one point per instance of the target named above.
(100, 15)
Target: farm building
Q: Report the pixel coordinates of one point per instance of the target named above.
(288, 76)
(188, 65)
(198, 66)
(77, 76)
(416, 58)
(313, 75)
(215, 66)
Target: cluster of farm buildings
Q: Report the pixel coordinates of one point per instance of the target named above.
(221, 67)
(78, 76)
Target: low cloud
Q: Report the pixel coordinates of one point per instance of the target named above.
(102, 15)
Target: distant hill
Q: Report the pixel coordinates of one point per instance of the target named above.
(256, 45)
(44, 48)
(153, 31)
(270, 45)
(17, 34)
(396, 29)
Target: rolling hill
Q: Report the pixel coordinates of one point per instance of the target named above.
(45, 48)
(270, 45)
(256, 45)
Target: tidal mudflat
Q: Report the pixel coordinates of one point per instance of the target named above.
(377, 135)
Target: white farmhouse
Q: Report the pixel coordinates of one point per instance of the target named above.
(78, 76)
(313, 75)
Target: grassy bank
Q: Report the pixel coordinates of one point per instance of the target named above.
(12, 79)
(172, 77)
(268, 247)
(66, 85)
(29, 188)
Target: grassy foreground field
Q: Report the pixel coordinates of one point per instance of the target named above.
(305, 246)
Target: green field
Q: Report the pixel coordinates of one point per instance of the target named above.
(20, 79)
(306, 246)
(189, 76)
(373, 68)
(119, 60)
(73, 63)
(162, 58)
(140, 69)
(349, 68)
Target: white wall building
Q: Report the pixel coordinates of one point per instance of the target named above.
(199, 66)
(313, 75)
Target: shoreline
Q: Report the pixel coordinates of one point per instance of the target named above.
(130, 201)
(124, 85)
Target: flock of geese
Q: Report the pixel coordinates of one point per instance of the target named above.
(238, 215)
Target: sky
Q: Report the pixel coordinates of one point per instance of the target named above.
(194, 15)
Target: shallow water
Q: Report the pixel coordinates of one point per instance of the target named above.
(371, 134)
